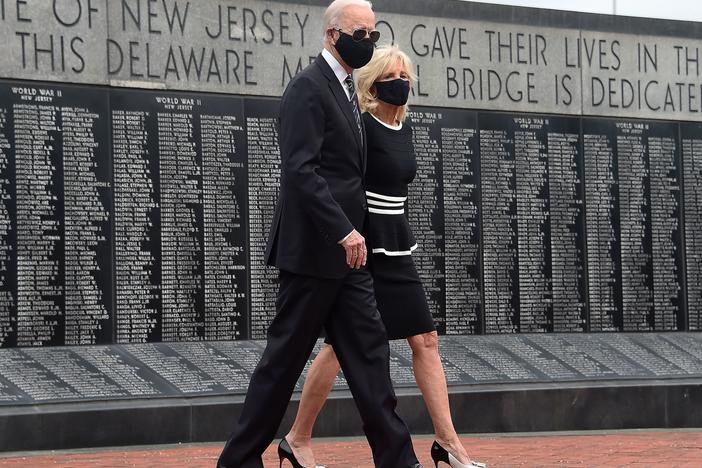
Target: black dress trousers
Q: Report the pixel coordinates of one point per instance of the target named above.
(346, 307)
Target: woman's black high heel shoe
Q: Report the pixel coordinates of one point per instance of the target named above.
(285, 453)
(440, 454)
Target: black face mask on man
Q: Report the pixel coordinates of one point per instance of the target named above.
(395, 92)
(356, 54)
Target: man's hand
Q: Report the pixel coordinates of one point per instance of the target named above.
(355, 247)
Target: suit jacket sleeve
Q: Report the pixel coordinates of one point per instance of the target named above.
(302, 127)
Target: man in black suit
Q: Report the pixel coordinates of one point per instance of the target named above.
(316, 243)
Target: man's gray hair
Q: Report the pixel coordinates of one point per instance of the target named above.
(334, 11)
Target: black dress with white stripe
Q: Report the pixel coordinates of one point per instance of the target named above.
(398, 290)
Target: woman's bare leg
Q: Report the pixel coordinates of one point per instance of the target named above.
(318, 384)
(429, 374)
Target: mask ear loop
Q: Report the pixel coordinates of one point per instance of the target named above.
(330, 32)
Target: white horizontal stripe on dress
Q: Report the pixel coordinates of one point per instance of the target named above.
(385, 197)
(386, 204)
(385, 212)
(381, 211)
(396, 253)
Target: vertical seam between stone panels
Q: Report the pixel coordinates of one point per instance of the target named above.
(107, 72)
(582, 73)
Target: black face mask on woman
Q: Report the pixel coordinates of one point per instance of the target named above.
(395, 92)
(356, 54)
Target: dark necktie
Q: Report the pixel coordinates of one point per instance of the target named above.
(353, 101)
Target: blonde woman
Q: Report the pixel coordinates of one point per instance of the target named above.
(383, 87)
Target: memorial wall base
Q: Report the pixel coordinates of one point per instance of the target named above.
(485, 409)
(497, 383)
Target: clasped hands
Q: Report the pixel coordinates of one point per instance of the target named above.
(356, 252)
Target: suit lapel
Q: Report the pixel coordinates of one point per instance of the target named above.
(364, 148)
(341, 99)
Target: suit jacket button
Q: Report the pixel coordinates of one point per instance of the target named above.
(365, 206)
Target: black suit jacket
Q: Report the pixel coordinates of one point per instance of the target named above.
(322, 197)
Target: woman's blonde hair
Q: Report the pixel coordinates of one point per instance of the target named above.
(383, 58)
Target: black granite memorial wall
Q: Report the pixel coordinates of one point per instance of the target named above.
(141, 216)
(135, 216)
